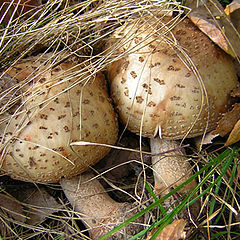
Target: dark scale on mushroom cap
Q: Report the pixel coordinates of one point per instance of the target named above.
(41, 151)
(178, 103)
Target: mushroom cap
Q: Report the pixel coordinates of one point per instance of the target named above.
(57, 108)
(176, 87)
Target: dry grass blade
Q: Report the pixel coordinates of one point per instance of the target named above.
(60, 31)
(61, 28)
(68, 32)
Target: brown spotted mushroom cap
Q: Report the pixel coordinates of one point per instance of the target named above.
(56, 109)
(157, 89)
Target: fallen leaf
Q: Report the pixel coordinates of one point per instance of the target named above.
(210, 18)
(233, 12)
(12, 207)
(234, 135)
(173, 231)
(40, 205)
(207, 139)
(228, 121)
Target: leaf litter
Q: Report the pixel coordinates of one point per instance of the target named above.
(210, 18)
(63, 30)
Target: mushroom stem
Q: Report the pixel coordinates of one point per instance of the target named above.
(171, 169)
(100, 213)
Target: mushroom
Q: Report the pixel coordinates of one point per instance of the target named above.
(60, 105)
(57, 107)
(169, 82)
(98, 211)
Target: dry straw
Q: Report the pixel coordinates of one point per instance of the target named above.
(75, 32)
(70, 31)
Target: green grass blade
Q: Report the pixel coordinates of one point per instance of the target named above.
(185, 203)
(163, 211)
(228, 155)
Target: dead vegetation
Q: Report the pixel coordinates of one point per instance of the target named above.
(76, 32)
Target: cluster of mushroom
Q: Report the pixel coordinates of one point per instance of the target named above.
(162, 89)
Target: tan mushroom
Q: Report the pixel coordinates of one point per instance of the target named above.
(170, 82)
(56, 108)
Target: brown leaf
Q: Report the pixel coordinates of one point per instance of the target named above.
(210, 18)
(12, 207)
(40, 205)
(173, 231)
(207, 139)
(233, 12)
(234, 135)
(229, 119)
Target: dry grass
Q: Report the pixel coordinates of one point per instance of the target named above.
(76, 33)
